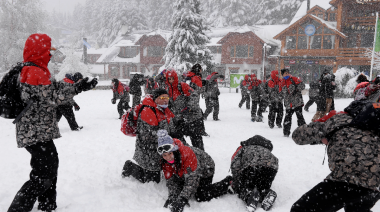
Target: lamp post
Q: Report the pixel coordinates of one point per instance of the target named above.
(265, 46)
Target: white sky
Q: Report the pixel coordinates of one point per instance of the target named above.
(61, 5)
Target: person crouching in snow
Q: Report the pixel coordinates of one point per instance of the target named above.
(189, 171)
(154, 116)
(254, 168)
(255, 92)
(120, 91)
(66, 110)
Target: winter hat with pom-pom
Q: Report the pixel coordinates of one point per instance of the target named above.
(165, 139)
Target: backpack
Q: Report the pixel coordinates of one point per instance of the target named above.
(11, 105)
(126, 87)
(129, 120)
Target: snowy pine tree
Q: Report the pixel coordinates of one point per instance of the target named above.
(276, 11)
(18, 20)
(187, 43)
(238, 13)
(72, 64)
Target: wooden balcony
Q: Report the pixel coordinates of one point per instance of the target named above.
(352, 52)
(369, 20)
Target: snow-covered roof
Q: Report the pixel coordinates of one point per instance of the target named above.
(97, 69)
(302, 11)
(96, 51)
(109, 55)
(330, 24)
(164, 33)
(214, 41)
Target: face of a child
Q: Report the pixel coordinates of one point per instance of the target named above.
(168, 156)
(162, 100)
(171, 80)
(285, 74)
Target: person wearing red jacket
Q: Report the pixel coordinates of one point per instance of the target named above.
(155, 116)
(255, 89)
(67, 109)
(244, 92)
(38, 127)
(120, 91)
(275, 107)
(189, 172)
(291, 88)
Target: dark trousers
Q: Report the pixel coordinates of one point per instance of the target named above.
(139, 173)
(136, 100)
(42, 182)
(245, 98)
(121, 106)
(255, 177)
(212, 104)
(254, 109)
(331, 196)
(310, 102)
(208, 191)
(68, 113)
(288, 119)
(263, 106)
(195, 130)
(275, 108)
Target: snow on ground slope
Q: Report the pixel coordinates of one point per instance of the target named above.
(91, 160)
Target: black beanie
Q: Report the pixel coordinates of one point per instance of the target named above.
(159, 92)
(77, 76)
(284, 70)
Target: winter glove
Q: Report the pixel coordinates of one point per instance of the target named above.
(76, 107)
(113, 101)
(84, 85)
(179, 204)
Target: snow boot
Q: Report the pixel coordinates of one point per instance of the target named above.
(279, 125)
(127, 169)
(78, 129)
(253, 200)
(253, 119)
(259, 119)
(268, 200)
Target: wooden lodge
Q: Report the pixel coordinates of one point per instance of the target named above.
(341, 35)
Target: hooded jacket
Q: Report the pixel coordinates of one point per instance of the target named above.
(183, 180)
(212, 88)
(148, 123)
(245, 84)
(353, 153)
(70, 82)
(39, 123)
(181, 99)
(121, 91)
(274, 86)
(255, 88)
(292, 92)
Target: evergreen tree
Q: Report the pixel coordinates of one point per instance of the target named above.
(276, 11)
(237, 13)
(18, 20)
(187, 43)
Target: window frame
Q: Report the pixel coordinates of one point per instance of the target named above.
(248, 51)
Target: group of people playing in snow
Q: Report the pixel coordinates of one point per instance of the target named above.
(353, 152)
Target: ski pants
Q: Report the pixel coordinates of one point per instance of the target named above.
(208, 191)
(254, 177)
(263, 106)
(288, 119)
(245, 97)
(212, 104)
(331, 196)
(310, 102)
(254, 109)
(68, 113)
(275, 108)
(42, 182)
(122, 105)
(136, 100)
(195, 130)
(141, 174)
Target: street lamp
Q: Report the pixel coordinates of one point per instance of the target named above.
(265, 46)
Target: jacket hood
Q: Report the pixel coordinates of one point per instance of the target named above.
(246, 77)
(171, 73)
(274, 74)
(148, 100)
(37, 50)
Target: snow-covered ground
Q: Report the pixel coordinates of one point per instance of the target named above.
(91, 160)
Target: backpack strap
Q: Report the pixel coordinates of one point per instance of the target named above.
(144, 106)
(180, 88)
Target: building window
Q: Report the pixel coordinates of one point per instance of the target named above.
(303, 42)
(352, 39)
(241, 51)
(145, 51)
(130, 52)
(290, 42)
(143, 69)
(332, 17)
(115, 72)
(328, 41)
(155, 51)
(316, 42)
(214, 49)
(366, 40)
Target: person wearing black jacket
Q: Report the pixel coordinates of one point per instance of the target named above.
(135, 88)
(313, 95)
(212, 96)
(327, 89)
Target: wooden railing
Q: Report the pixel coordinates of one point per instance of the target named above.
(352, 52)
(370, 20)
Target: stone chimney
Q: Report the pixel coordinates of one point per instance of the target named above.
(308, 5)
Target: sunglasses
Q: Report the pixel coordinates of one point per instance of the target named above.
(164, 98)
(165, 148)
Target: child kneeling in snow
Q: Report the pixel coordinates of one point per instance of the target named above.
(254, 168)
(188, 171)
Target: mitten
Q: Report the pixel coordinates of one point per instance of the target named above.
(179, 204)
(76, 107)
(113, 101)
